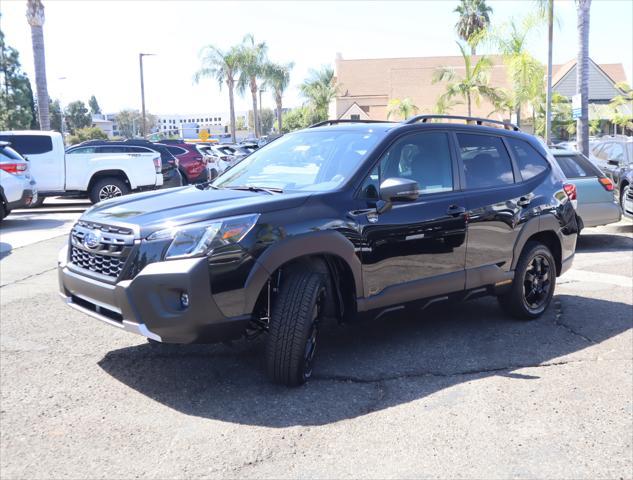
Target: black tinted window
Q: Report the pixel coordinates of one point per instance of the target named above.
(577, 166)
(112, 149)
(486, 161)
(9, 154)
(530, 162)
(29, 144)
(176, 150)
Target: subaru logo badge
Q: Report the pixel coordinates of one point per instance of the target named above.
(92, 240)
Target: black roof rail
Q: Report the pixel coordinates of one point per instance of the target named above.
(346, 120)
(477, 120)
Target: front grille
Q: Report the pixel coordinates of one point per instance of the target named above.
(101, 249)
(103, 264)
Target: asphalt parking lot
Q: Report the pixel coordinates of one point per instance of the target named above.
(457, 391)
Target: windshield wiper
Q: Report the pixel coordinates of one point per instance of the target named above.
(252, 188)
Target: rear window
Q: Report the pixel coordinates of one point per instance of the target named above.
(176, 150)
(577, 166)
(7, 153)
(530, 162)
(29, 144)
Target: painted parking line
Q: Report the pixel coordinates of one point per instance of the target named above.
(589, 276)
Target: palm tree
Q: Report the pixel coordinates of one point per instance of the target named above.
(582, 75)
(401, 108)
(35, 17)
(474, 19)
(319, 89)
(221, 65)
(277, 78)
(620, 106)
(251, 60)
(474, 85)
(524, 71)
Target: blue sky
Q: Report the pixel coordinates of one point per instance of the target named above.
(95, 44)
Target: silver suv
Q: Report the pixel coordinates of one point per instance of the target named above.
(614, 156)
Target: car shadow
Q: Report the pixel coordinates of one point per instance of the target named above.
(5, 249)
(361, 366)
(15, 223)
(600, 242)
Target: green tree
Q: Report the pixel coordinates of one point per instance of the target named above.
(473, 86)
(55, 111)
(474, 19)
(85, 134)
(17, 109)
(35, 18)
(582, 75)
(277, 79)
(620, 107)
(94, 105)
(402, 109)
(77, 116)
(524, 71)
(252, 63)
(267, 120)
(319, 89)
(222, 66)
(129, 123)
(297, 118)
(240, 124)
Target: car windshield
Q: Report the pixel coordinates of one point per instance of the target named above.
(306, 160)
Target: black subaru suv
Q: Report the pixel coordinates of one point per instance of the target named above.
(338, 221)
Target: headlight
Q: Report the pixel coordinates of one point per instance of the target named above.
(201, 238)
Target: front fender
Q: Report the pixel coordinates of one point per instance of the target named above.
(313, 243)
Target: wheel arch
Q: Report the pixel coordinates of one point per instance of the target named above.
(109, 173)
(541, 229)
(319, 250)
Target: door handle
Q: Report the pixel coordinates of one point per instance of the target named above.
(455, 210)
(524, 201)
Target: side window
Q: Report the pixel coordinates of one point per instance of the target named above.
(530, 162)
(423, 157)
(111, 149)
(616, 152)
(29, 144)
(599, 151)
(82, 150)
(486, 161)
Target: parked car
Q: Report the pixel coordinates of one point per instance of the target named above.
(169, 164)
(17, 186)
(614, 156)
(596, 202)
(626, 180)
(191, 162)
(368, 219)
(100, 176)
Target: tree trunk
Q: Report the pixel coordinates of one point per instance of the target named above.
(255, 112)
(582, 75)
(518, 112)
(279, 119)
(469, 109)
(231, 85)
(37, 38)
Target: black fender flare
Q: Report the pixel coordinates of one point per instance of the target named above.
(542, 223)
(3, 199)
(327, 242)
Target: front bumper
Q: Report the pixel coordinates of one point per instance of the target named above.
(149, 304)
(628, 205)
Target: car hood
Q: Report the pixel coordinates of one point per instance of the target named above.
(151, 211)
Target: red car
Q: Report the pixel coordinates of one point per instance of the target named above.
(191, 163)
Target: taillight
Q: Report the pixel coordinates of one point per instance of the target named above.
(606, 183)
(157, 165)
(570, 190)
(14, 168)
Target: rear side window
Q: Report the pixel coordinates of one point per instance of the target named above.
(29, 144)
(577, 166)
(176, 150)
(486, 161)
(530, 162)
(8, 154)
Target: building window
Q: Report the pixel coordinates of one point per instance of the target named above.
(354, 116)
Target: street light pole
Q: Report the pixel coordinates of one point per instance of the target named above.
(61, 110)
(548, 106)
(140, 61)
(259, 117)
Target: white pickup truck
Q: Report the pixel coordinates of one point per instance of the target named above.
(100, 176)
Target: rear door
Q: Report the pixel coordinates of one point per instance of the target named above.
(498, 203)
(78, 167)
(416, 249)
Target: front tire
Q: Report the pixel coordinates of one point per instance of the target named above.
(106, 188)
(294, 328)
(533, 285)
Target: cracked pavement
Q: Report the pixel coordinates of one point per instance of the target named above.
(456, 391)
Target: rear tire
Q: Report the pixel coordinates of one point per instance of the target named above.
(38, 203)
(3, 211)
(533, 285)
(294, 328)
(185, 180)
(106, 188)
(623, 193)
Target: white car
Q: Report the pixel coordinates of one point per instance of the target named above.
(17, 186)
(101, 176)
(217, 160)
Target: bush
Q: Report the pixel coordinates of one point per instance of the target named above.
(85, 134)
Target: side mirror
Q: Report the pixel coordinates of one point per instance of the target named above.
(396, 189)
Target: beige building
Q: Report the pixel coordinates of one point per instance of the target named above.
(367, 85)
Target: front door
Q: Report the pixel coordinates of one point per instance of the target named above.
(416, 249)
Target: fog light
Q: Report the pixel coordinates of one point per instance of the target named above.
(184, 299)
